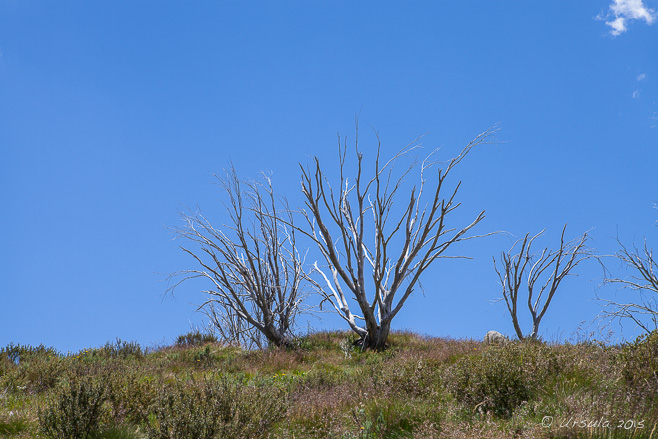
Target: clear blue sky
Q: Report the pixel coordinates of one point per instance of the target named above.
(113, 115)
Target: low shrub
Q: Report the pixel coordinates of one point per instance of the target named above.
(325, 375)
(130, 395)
(498, 379)
(195, 338)
(324, 341)
(203, 356)
(35, 374)
(411, 376)
(214, 408)
(75, 411)
(639, 363)
(391, 418)
(122, 349)
(35, 368)
(20, 353)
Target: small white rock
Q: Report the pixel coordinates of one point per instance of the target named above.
(495, 337)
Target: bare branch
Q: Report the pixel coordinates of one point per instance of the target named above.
(395, 255)
(526, 266)
(643, 281)
(258, 284)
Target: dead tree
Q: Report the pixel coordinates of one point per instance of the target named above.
(257, 281)
(229, 327)
(525, 269)
(376, 241)
(643, 280)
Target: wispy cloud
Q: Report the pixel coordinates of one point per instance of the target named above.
(641, 77)
(654, 120)
(623, 11)
(636, 94)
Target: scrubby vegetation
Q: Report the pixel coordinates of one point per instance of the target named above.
(324, 386)
(195, 338)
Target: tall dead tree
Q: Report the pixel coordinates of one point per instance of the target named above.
(375, 240)
(257, 281)
(525, 269)
(644, 280)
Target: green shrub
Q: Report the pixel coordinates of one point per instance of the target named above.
(413, 376)
(325, 375)
(218, 408)
(386, 419)
(29, 366)
(75, 411)
(122, 349)
(639, 363)
(324, 341)
(5, 366)
(130, 395)
(18, 354)
(203, 356)
(195, 338)
(34, 374)
(497, 380)
(43, 374)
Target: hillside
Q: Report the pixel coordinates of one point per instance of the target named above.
(325, 387)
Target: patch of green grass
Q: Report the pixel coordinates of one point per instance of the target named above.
(395, 418)
(13, 427)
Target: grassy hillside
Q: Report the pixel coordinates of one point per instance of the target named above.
(324, 387)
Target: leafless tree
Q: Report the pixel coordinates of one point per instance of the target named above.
(526, 267)
(229, 327)
(257, 281)
(644, 279)
(405, 236)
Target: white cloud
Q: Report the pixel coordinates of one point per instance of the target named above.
(641, 77)
(617, 26)
(636, 94)
(623, 11)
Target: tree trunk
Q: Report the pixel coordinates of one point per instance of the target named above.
(517, 327)
(375, 339)
(276, 338)
(535, 330)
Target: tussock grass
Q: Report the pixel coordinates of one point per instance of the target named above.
(324, 386)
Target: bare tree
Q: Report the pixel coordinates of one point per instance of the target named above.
(229, 327)
(257, 281)
(643, 280)
(376, 270)
(526, 267)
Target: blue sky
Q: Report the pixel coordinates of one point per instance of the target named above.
(113, 115)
